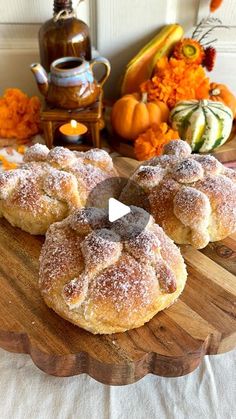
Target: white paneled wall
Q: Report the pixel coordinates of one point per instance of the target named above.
(226, 12)
(24, 11)
(33, 11)
(125, 25)
(19, 24)
(21, 19)
(120, 28)
(15, 70)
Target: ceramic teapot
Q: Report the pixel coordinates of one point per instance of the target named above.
(71, 82)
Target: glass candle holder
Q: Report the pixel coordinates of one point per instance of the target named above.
(73, 132)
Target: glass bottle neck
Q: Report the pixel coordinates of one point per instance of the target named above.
(62, 5)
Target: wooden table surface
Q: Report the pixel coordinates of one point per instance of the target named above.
(173, 343)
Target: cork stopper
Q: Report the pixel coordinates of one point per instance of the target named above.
(62, 5)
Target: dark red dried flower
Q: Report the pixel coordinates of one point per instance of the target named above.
(210, 57)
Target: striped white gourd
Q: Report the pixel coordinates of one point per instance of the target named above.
(204, 124)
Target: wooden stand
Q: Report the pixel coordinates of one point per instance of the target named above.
(91, 116)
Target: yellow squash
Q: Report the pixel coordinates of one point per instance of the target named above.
(140, 68)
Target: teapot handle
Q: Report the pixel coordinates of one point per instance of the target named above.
(105, 62)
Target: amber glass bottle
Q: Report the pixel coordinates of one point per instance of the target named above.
(64, 35)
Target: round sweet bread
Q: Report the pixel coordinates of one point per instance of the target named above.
(192, 196)
(92, 278)
(51, 184)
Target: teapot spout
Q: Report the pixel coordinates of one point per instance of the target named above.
(41, 78)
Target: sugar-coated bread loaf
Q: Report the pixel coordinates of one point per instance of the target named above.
(92, 278)
(192, 196)
(51, 184)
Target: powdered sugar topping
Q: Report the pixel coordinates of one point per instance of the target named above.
(204, 212)
(61, 157)
(209, 164)
(100, 249)
(149, 176)
(125, 285)
(125, 275)
(38, 152)
(192, 207)
(187, 171)
(178, 148)
(58, 180)
(99, 156)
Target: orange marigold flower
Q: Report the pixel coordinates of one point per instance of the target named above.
(189, 50)
(151, 142)
(19, 115)
(175, 80)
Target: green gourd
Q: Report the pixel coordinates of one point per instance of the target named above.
(204, 124)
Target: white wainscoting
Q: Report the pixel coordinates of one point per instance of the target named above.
(15, 70)
(35, 11)
(119, 29)
(20, 21)
(125, 25)
(225, 67)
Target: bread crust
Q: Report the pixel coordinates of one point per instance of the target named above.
(192, 196)
(50, 185)
(96, 281)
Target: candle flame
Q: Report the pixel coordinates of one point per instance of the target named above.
(73, 123)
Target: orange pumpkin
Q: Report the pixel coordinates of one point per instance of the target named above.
(221, 93)
(133, 114)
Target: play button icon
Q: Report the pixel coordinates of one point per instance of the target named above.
(116, 210)
(124, 219)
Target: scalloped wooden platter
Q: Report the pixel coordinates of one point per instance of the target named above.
(173, 343)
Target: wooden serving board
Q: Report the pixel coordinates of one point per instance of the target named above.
(173, 343)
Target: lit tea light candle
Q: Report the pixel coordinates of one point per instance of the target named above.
(73, 131)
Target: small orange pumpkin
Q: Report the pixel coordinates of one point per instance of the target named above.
(221, 93)
(133, 114)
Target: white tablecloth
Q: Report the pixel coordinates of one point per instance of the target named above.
(27, 393)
